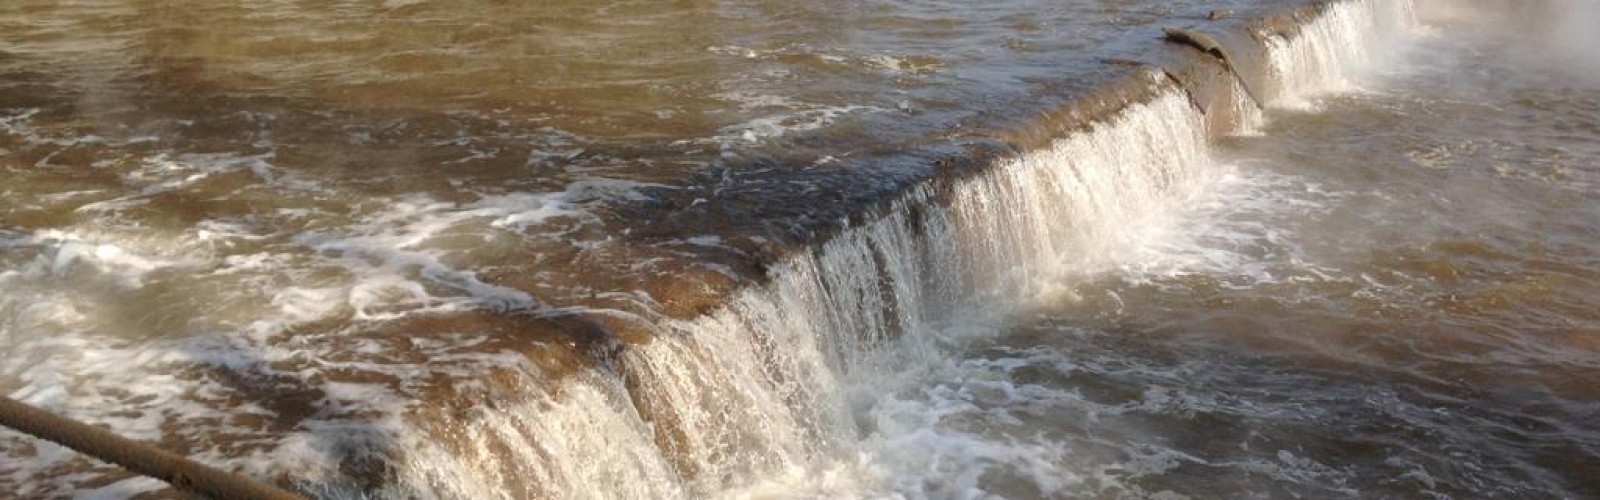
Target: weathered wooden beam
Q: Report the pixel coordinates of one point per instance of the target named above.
(183, 474)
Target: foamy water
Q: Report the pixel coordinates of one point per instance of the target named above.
(726, 292)
(1298, 329)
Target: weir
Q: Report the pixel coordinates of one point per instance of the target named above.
(767, 384)
(770, 382)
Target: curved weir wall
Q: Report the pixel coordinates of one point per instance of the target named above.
(764, 386)
(769, 384)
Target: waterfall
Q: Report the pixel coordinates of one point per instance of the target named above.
(581, 440)
(772, 383)
(1249, 117)
(777, 380)
(769, 383)
(1330, 52)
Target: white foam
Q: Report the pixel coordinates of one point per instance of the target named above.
(238, 288)
(1250, 115)
(163, 173)
(774, 386)
(749, 101)
(58, 254)
(901, 64)
(1244, 217)
(582, 440)
(775, 125)
(1331, 53)
(819, 378)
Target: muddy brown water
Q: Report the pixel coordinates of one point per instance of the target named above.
(1390, 293)
(702, 249)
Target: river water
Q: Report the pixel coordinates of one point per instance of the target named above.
(774, 250)
(1389, 292)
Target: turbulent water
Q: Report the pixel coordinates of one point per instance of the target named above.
(619, 250)
(1388, 293)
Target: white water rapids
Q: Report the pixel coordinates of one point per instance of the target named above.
(789, 389)
(773, 395)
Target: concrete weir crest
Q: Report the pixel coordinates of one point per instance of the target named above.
(765, 382)
(757, 379)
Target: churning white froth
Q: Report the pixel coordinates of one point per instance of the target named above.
(775, 390)
(1331, 53)
(812, 383)
(1249, 115)
(800, 384)
(125, 325)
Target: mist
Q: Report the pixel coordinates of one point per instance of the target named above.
(1575, 34)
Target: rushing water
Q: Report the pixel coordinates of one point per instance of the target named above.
(768, 250)
(1390, 292)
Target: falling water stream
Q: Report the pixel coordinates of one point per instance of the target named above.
(1352, 255)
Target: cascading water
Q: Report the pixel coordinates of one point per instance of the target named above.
(1329, 53)
(1250, 117)
(769, 384)
(773, 384)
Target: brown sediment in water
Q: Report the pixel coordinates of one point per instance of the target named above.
(1207, 79)
(588, 311)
